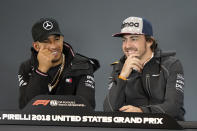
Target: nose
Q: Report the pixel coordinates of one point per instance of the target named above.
(127, 43)
(53, 45)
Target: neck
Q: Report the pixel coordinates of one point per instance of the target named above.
(147, 56)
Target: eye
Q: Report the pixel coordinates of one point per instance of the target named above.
(134, 38)
(123, 40)
(57, 38)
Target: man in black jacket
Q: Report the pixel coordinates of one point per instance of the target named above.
(54, 68)
(145, 79)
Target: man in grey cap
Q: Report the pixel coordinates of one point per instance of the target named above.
(54, 68)
(145, 79)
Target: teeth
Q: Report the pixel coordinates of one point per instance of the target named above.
(131, 52)
(55, 52)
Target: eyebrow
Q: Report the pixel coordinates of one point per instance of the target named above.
(44, 41)
(133, 36)
(57, 36)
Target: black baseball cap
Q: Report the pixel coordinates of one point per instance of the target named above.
(45, 27)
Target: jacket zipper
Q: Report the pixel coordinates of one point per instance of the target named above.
(148, 86)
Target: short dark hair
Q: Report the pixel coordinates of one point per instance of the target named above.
(150, 39)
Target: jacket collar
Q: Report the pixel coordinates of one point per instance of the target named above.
(158, 53)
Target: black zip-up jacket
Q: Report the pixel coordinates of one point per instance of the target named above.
(158, 89)
(76, 79)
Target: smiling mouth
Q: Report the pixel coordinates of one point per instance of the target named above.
(55, 53)
(129, 52)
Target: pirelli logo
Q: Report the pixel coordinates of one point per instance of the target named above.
(41, 102)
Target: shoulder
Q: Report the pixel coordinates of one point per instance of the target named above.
(114, 63)
(166, 58)
(119, 63)
(30, 63)
(81, 62)
(170, 63)
(25, 68)
(26, 64)
(116, 67)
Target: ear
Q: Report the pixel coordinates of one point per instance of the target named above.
(36, 46)
(149, 43)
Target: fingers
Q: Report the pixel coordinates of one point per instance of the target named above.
(136, 58)
(130, 108)
(131, 63)
(44, 59)
(46, 53)
(134, 63)
(43, 49)
(124, 108)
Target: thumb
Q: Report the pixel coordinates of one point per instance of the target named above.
(123, 108)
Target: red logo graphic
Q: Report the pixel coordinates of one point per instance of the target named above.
(69, 80)
(41, 102)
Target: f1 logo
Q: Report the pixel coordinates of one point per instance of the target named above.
(41, 102)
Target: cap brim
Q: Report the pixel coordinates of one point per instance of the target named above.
(45, 37)
(55, 33)
(121, 34)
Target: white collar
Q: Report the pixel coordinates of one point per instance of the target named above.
(149, 59)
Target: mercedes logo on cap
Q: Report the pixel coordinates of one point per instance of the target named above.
(47, 25)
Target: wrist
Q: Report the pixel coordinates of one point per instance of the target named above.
(125, 73)
(122, 77)
(43, 69)
(140, 110)
(41, 73)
